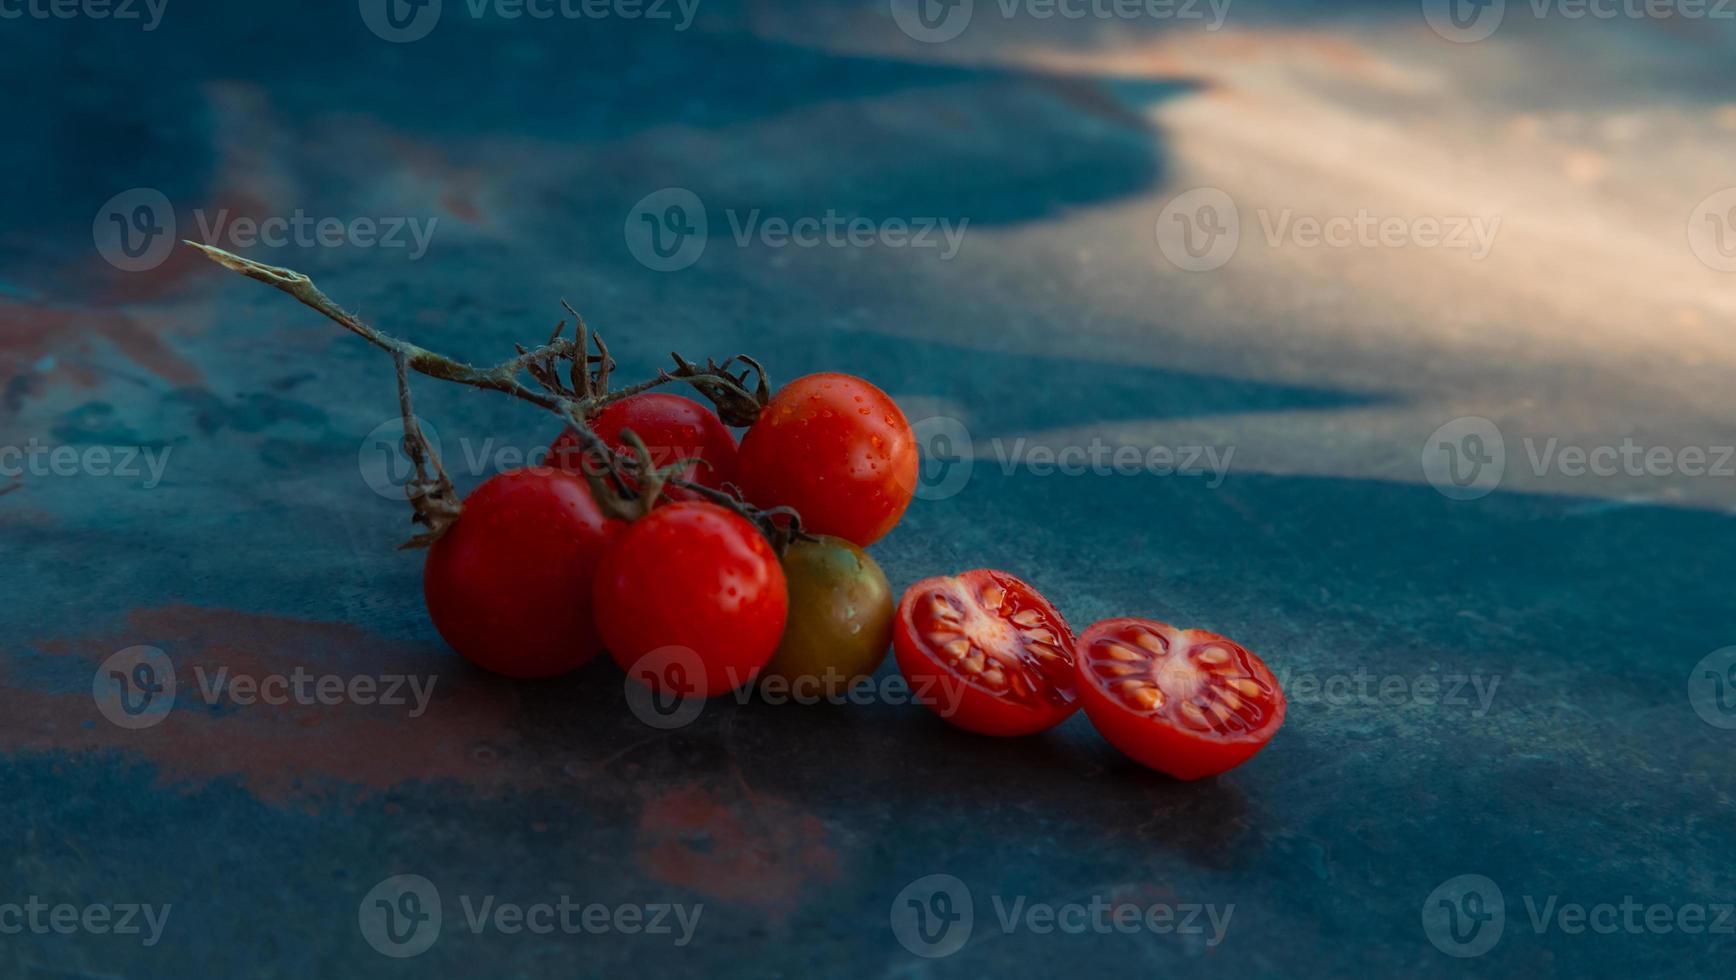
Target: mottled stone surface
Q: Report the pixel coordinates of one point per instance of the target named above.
(1568, 763)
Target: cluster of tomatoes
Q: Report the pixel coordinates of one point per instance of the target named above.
(536, 578)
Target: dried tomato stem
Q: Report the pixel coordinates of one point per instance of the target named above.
(434, 499)
(584, 393)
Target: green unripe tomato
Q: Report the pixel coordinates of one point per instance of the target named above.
(840, 621)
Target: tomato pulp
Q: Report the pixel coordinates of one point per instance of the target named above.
(1185, 702)
(986, 652)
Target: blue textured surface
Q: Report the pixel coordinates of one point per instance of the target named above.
(1588, 776)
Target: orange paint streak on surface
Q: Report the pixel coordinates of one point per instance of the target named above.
(758, 851)
(29, 333)
(307, 752)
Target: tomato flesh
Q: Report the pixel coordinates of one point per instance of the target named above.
(1184, 702)
(986, 652)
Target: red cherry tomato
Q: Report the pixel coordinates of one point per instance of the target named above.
(986, 652)
(695, 576)
(672, 427)
(839, 451)
(1185, 702)
(509, 585)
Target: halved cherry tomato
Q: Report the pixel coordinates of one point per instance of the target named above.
(986, 652)
(673, 428)
(1185, 702)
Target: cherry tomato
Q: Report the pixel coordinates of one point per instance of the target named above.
(987, 652)
(672, 427)
(838, 450)
(840, 623)
(1185, 702)
(698, 577)
(509, 585)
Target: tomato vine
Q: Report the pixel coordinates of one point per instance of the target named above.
(571, 376)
